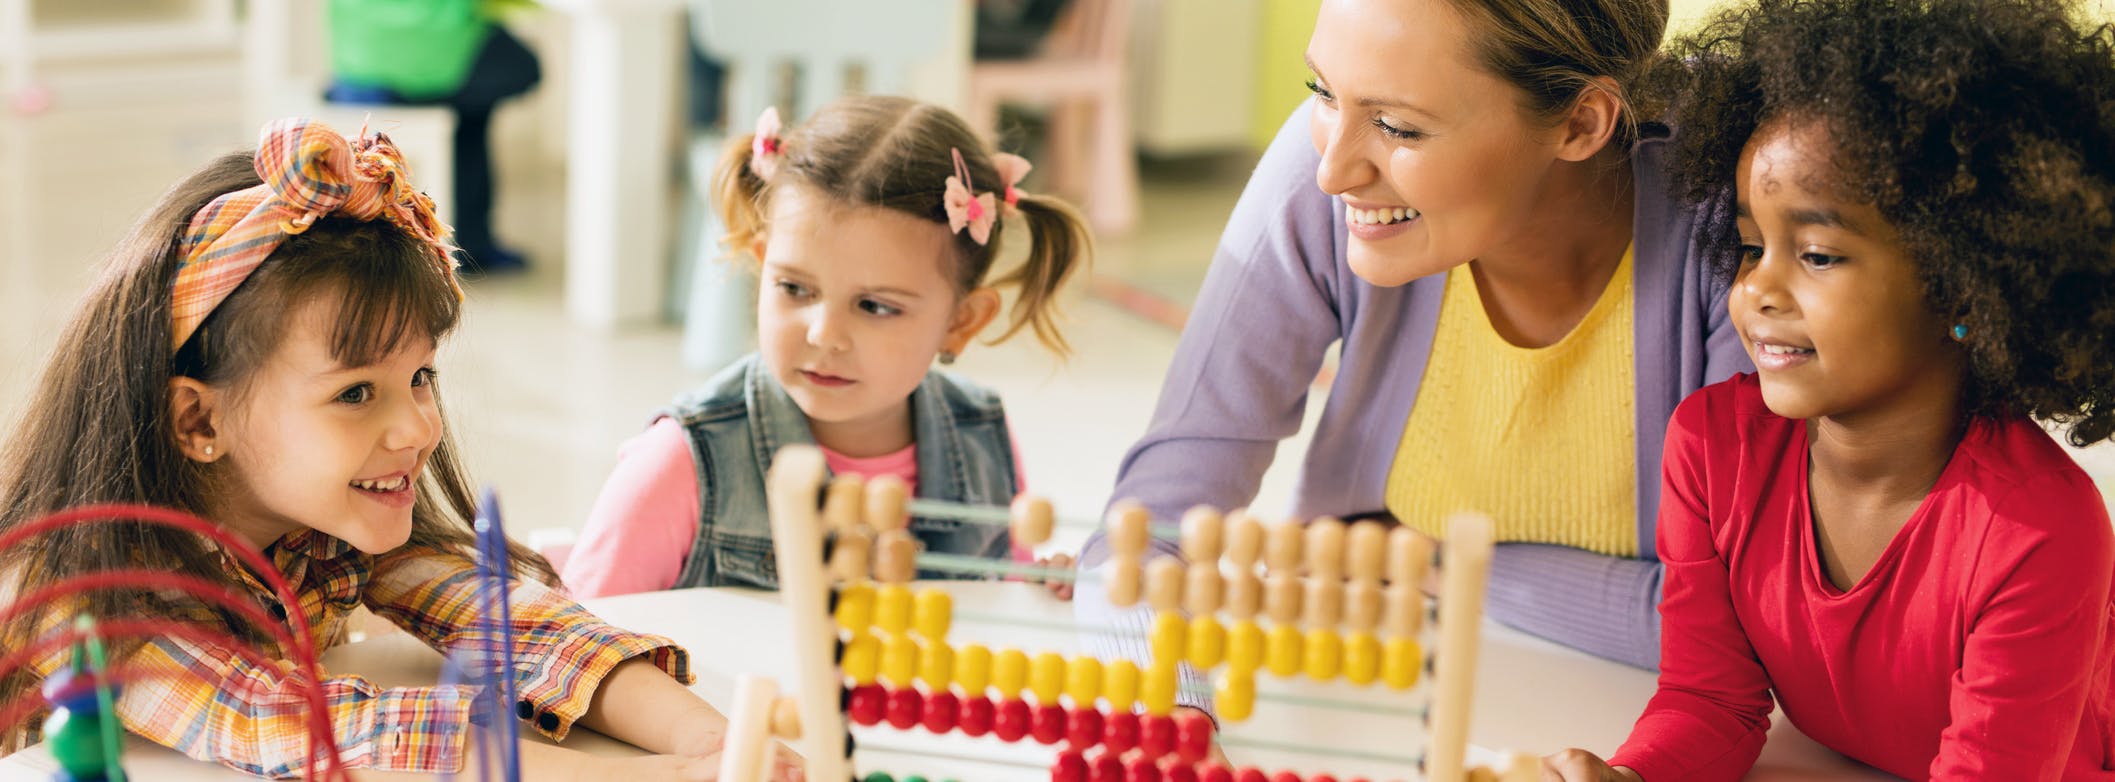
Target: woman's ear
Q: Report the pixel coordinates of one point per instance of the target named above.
(972, 314)
(195, 414)
(1593, 121)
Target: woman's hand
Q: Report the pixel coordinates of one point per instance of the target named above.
(1578, 765)
(1060, 587)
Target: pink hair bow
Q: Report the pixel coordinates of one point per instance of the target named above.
(765, 146)
(967, 208)
(1012, 169)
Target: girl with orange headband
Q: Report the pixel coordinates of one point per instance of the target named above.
(260, 351)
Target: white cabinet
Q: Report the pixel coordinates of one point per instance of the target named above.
(1193, 66)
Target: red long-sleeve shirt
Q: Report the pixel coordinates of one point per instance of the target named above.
(1977, 648)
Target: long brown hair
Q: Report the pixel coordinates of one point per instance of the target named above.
(98, 427)
(1554, 50)
(895, 153)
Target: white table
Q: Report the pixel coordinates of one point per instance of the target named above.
(1531, 695)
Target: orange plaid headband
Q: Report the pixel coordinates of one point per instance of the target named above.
(309, 172)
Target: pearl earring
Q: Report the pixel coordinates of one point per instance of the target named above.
(209, 450)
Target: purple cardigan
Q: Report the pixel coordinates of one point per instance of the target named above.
(1279, 293)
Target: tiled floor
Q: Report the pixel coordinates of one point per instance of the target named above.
(540, 406)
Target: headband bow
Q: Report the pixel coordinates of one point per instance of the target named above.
(309, 172)
(979, 211)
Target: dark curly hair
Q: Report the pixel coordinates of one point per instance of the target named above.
(1983, 130)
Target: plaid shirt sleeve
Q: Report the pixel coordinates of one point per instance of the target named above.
(204, 701)
(561, 652)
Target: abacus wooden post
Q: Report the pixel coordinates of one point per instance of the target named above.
(796, 530)
(743, 757)
(1468, 567)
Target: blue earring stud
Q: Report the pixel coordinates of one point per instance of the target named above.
(1960, 331)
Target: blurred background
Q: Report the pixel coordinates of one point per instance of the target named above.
(578, 126)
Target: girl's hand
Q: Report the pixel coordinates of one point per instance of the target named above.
(1059, 587)
(786, 766)
(1578, 765)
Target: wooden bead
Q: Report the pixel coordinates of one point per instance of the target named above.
(1362, 658)
(933, 614)
(785, 717)
(1139, 768)
(1169, 638)
(1126, 574)
(855, 608)
(842, 502)
(1009, 673)
(936, 664)
(977, 714)
(1083, 728)
(1070, 766)
(1401, 662)
(1402, 611)
(1281, 652)
(1164, 577)
(1325, 548)
(1207, 642)
(942, 712)
(862, 660)
(1011, 723)
(973, 669)
(1362, 606)
(1130, 528)
(867, 704)
(1046, 677)
(1281, 598)
(1244, 647)
(1366, 551)
(1234, 693)
(886, 498)
(1323, 654)
(1202, 587)
(905, 707)
(1324, 603)
(896, 560)
(1409, 555)
(1159, 693)
(1083, 681)
(851, 555)
(1244, 540)
(1120, 731)
(1156, 735)
(1047, 723)
(1120, 685)
(893, 608)
(1281, 547)
(1105, 767)
(1033, 520)
(1193, 737)
(899, 660)
(1244, 595)
(1203, 532)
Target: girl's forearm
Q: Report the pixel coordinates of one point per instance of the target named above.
(642, 705)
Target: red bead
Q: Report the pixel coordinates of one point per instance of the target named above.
(1156, 735)
(1214, 772)
(1121, 732)
(1193, 736)
(941, 711)
(1071, 766)
(905, 707)
(1107, 768)
(1141, 769)
(977, 712)
(1250, 774)
(1084, 729)
(866, 704)
(1012, 722)
(1048, 725)
(1321, 778)
(1285, 776)
(1173, 769)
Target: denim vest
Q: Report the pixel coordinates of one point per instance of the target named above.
(740, 418)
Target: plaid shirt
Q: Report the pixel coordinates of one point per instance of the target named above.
(209, 704)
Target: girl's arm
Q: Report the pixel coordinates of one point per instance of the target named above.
(1712, 711)
(644, 522)
(2031, 657)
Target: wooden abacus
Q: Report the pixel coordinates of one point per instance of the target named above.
(1342, 604)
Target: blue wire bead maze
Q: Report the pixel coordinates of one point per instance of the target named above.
(489, 659)
(82, 732)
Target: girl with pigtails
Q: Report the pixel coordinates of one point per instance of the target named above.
(874, 227)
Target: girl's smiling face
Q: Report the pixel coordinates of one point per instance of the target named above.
(1826, 299)
(308, 442)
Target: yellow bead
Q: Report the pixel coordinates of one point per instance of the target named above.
(855, 608)
(1169, 633)
(1160, 688)
(1120, 685)
(899, 660)
(1324, 654)
(1207, 642)
(1046, 677)
(1083, 681)
(892, 611)
(935, 612)
(1282, 654)
(973, 669)
(1009, 673)
(862, 659)
(1244, 647)
(1402, 662)
(1235, 695)
(936, 665)
(1362, 659)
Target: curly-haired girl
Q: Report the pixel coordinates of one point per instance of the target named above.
(1873, 528)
